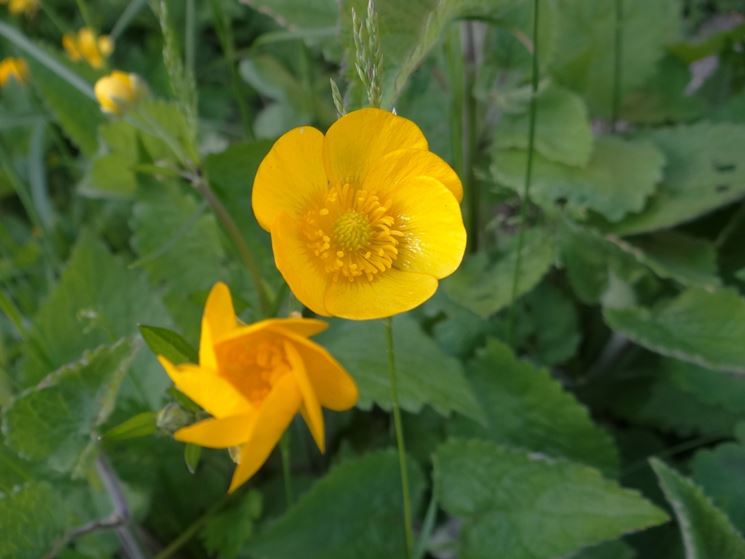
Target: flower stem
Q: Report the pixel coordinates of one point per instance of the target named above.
(199, 182)
(470, 138)
(400, 443)
(528, 177)
(617, 66)
(284, 450)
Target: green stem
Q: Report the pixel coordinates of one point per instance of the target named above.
(284, 450)
(129, 13)
(617, 66)
(85, 13)
(400, 443)
(456, 81)
(190, 38)
(470, 139)
(528, 177)
(235, 235)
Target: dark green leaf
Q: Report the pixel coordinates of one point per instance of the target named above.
(169, 344)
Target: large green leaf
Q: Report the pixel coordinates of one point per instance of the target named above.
(31, 519)
(608, 550)
(354, 511)
(426, 376)
(485, 287)
(96, 301)
(703, 327)
(563, 132)
(706, 531)
(585, 49)
(617, 180)
(55, 421)
(527, 407)
(524, 505)
(704, 171)
(719, 471)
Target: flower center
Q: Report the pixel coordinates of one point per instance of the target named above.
(253, 369)
(352, 233)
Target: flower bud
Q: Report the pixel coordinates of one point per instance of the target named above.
(173, 417)
(118, 91)
(14, 68)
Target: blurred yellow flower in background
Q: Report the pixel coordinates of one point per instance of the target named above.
(17, 7)
(86, 45)
(119, 91)
(13, 68)
(253, 379)
(364, 220)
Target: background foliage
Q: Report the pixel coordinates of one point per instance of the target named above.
(599, 415)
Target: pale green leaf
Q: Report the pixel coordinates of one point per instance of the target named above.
(563, 134)
(485, 287)
(704, 171)
(426, 376)
(699, 326)
(616, 181)
(96, 301)
(55, 421)
(585, 49)
(526, 407)
(706, 531)
(353, 511)
(506, 497)
(225, 533)
(31, 519)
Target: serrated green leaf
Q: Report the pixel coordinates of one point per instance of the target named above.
(526, 407)
(358, 507)
(31, 519)
(702, 327)
(507, 496)
(585, 49)
(169, 344)
(485, 287)
(225, 533)
(704, 171)
(55, 421)
(719, 471)
(617, 180)
(96, 301)
(706, 531)
(564, 134)
(426, 376)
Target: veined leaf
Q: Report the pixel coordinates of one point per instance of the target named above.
(718, 471)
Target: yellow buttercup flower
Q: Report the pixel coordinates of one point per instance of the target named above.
(86, 45)
(253, 379)
(118, 91)
(17, 7)
(364, 220)
(14, 68)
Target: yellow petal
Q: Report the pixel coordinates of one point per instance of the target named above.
(391, 292)
(215, 394)
(272, 418)
(290, 174)
(217, 321)
(402, 165)
(332, 384)
(300, 269)
(434, 235)
(311, 408)
(218, 433)
(304, 327)
(356, 141)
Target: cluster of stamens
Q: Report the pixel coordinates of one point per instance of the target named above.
(254, 367)
(352, 232)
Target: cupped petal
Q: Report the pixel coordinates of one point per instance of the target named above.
(332, 384)
(272, 418)
(405, 164)
(217, 321)
(218, 433)
(298, 266)
(355, 142)
(215, 394)
(311, 409)
(391, 292)
(430, 219)
(305, 327)
(291, 174)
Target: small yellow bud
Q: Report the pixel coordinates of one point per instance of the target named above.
(17, 7)
(118, 91)
(86, 45)
(15, 68)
